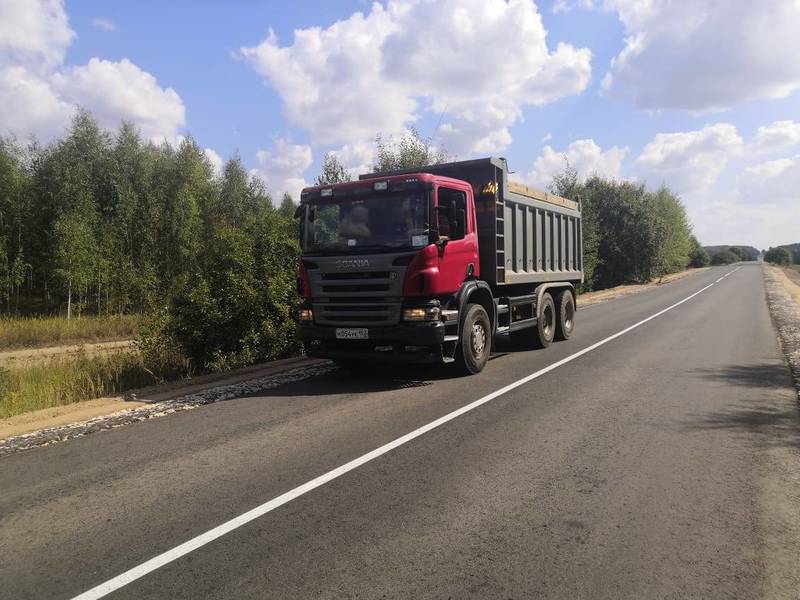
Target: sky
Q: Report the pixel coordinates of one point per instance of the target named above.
(700, 95)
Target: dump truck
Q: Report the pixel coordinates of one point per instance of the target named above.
(433, 264)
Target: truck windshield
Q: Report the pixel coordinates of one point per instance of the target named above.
(383, 222)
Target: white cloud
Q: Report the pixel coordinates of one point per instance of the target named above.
(584, 155)
(282, 168)
(474, 63)
(773, 181)
(777, 136)
(727, 221)
(215, 160)
(357, 157)
(39, 94)
(689, 161)
(34, 34)
(29, 104)
(114, 91)
(705, 54)
(104, 24)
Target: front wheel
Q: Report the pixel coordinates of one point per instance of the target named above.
(475, 341)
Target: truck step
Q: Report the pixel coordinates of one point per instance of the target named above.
(450, 338)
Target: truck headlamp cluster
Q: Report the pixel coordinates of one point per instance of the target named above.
(426, 313)
(305, 314)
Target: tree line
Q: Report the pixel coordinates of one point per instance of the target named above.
(108, 223)
(102, 222)
(631, 234)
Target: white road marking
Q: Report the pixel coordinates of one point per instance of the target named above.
(209, 536)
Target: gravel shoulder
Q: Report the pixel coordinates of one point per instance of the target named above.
(783, 299)
(45, 427)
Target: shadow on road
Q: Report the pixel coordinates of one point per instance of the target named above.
(773, 416)
(373, 378)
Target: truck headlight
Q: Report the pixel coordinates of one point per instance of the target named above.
(305, 314)
(425, 313)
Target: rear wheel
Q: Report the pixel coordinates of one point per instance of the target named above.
(545, 329)
(565, 308)
(475, 341)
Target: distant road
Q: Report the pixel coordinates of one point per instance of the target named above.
(654, 461)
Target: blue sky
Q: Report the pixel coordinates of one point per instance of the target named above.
(693, 94)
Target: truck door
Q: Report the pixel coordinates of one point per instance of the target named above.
(458, 253)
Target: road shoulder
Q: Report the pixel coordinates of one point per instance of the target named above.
(783, 299)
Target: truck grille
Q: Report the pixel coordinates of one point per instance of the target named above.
(358, 298)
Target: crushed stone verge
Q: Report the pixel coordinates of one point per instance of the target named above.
(52, 435)
(786, 316)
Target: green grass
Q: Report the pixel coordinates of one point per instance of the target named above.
(37, 332)
(61, 381)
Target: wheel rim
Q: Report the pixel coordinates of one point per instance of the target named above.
(569, 316)
(478, 339)
(547, 318)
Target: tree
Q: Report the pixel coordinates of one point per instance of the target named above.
(332, 171)
(778, 256)
(410, 151)
(287, 207)
(74, 248)
(724, 257)
(737, 251)
(698, 257)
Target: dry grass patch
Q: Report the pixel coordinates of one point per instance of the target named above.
(64, 380)
(37, 332)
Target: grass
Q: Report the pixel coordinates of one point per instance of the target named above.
(37, 332)
(61, 381)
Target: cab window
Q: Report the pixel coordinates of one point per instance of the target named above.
(451, 214)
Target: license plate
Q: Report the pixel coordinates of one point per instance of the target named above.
(352, 333)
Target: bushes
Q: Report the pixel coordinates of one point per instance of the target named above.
(778, 256)
(725, 257)
(236, 307)
(698, 257)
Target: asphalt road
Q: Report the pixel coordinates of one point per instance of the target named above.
(664, 463)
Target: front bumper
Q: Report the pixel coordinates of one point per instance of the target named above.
(405, 342)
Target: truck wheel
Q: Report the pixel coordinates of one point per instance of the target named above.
(475, 341)
(565, 307)
(545, 329)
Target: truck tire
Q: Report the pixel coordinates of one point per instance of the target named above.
(475, 341)
(565, 309)
(545, 329)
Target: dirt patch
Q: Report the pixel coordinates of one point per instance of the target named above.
(790, 278)
(599, 296)
(12, 357)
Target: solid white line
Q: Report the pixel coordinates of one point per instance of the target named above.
(209, 536)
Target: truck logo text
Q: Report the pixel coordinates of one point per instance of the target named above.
(352, 263)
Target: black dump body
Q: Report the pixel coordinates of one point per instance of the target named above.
(526, 236)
